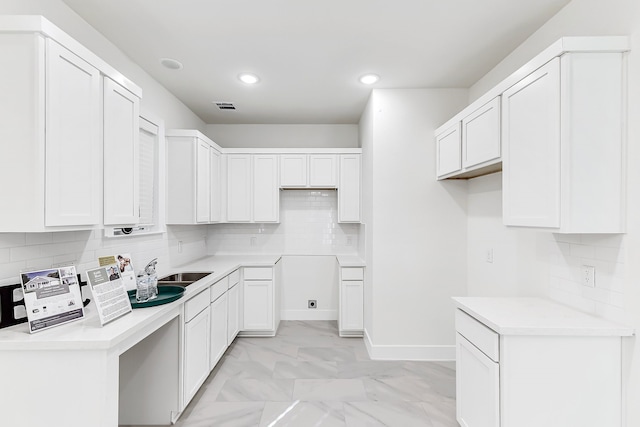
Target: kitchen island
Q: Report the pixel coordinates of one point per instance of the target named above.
(74, 375)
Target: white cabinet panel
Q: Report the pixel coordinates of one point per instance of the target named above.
(73, 161)
(531, 161)
(266, 195)
(293, 170)
(448, 151)
(349, 188)
(203, 181)
(121, 155)
(477, 387)
(351, 305)
(258, 305)
(196, 353)
(239, 188)
(322, 170)
(233, 317)
(215, 210)
(481, 135)
(219, 313)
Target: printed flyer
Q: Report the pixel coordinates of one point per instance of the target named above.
(124, 265)
(52, 297)
(107, 287)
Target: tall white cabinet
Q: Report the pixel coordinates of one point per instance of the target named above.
(59, 102)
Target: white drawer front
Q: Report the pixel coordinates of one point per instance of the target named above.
(219, 288)
(352, 273)
(258, 273)
(195, 305)
(485, 339)
(234, 278)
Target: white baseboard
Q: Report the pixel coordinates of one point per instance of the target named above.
(409, 352)
(309, 314)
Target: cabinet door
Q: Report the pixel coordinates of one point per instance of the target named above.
(121, 155)
(448, 151)
(481, 135)
(239, 188)
(293, 170)
(531, 144)
(203, 182)
(233, 316)
(73, 158)
(258, 305)
(266, 195)
(351, 305)
(215, 210)
(219, 312)
(196, 353)
(349, 188)
(477, 387)
(322, 171)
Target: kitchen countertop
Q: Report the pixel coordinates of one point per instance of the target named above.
(126, 331)
(537, 316)
(350, 261)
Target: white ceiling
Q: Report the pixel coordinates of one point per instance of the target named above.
(309, 54)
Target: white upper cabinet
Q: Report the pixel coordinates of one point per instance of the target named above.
(563, 135)
(308, 170)
(448, 151)
(323, 170)
(53, 116)
(349, 191)
(215, 209)
(121, 155)
(192, 179)
(252, 188)
(481, 135)
(293, 170)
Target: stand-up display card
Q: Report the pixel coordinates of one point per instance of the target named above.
(52, 297)
(109, 292)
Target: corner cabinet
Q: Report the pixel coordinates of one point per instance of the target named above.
(512, 370)
(564, 165)
(58, 99)
(193, 185)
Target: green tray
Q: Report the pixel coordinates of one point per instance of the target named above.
(166, 294)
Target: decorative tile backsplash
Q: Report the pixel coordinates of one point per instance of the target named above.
(567, 255)
(308, 226)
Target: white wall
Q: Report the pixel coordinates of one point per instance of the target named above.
(553, 260)
(283, 136)
(416, 226)
(25, 251)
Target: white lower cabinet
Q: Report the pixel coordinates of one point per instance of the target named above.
(233, 304)
(260, 297)
(351, 304)
(196, 344)
(219, 312)
(527, 377)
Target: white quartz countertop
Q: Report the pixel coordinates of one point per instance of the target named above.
(537, 316)
(124, 332)
(350, 261)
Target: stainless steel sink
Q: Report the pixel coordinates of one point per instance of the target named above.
(183, 279)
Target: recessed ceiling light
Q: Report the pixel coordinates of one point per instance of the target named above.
(171, 64)
(248, 78)
(369, 79)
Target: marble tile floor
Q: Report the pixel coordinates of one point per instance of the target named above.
(308, 376)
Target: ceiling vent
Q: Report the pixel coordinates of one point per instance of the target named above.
(225, 105)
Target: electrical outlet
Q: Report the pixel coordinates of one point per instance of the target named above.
(312, 303)
(589, 276)
(489, 255)
(253, 241)
(179, 246)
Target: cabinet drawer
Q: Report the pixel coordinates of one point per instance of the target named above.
(258, 273)
(485, 339)
(234, 278)
(352, 273)
(195, 305)
(219, 288)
